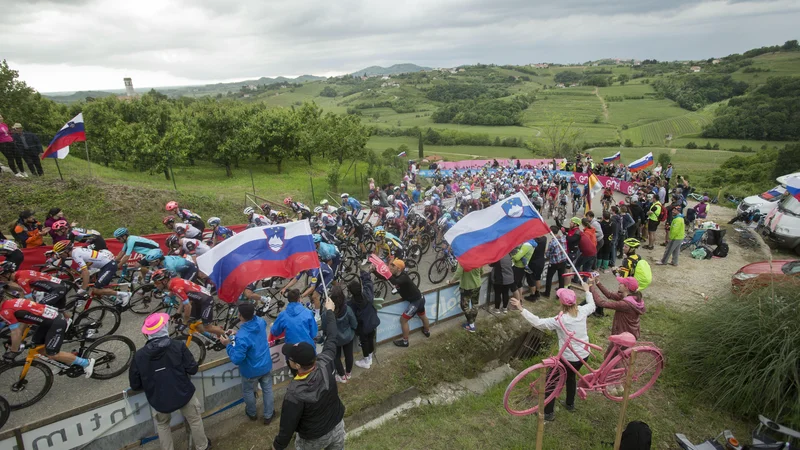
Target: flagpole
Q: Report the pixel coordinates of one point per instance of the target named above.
(59, 170)
(86, 146)
(550, 231)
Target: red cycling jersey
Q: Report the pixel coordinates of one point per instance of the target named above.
(182, 288)
(552, 192)
(28, 280)
(19, 310)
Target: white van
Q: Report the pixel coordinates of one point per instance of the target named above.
(767, 201)
(783, 226)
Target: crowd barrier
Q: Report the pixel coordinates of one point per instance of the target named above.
(121, 421)
(616, 184)
(478, 163)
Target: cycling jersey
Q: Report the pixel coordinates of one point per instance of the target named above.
(19, 310)
(91, 237)
(328, 220)
(433, 212)
(176, 264)
(257, 220)
(193, 246)
(30, 280)
(139, 245)
(83, 256)
(354, 204)
(223, 233)
(198, 297)
(327, 251)
(399, 223)
(552, 192)
(401, 205)
(350, 223)
(328, 237)
(381, 212)
(185, 214)
(576, 193)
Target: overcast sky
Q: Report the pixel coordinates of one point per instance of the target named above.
(66, 45)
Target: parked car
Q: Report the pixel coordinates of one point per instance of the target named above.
(760, 274)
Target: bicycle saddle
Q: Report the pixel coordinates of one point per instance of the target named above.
(623, 339)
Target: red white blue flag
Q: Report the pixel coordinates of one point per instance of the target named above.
(257, 253)
(483, 237)
(73, 131)
(642, 163)
(793, 187)
(615, 157)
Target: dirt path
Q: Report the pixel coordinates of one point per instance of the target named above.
(605, 105)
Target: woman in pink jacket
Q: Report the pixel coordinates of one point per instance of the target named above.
(9, 150)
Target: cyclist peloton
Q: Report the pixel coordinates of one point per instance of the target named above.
(255, 220)
(39, 287)
(187, 216)
(355, 205)
(186, 247)
(196, 303)
(103, 261)
(178, 265)
(130, 245)
(302, 211)
(218, 232)
(182, 229)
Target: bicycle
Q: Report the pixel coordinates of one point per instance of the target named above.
(521, 396)
(576, 205)
(561, 214)
(439, 269)
(23, 383)
(202, 342)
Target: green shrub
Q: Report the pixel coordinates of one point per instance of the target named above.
(743, 352)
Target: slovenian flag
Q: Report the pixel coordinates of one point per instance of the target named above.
(777, 191)
(73, 131)
(401, 155)
(641, 163)
(613, 158)
(793, 187)
(257, 253)
(483, 237)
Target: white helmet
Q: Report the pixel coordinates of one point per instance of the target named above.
(324, 202)
(502, 196)
(345, 195)
(247, 211)
(318, 210)
(427, 203)
(391, 216)
(390, 198)
(442, 221)
(214, 221)
(376, 203)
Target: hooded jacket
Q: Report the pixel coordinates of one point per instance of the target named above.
(626, 311)
(346, 324)
(250, 350)
(298, 323)
(363, 307)
(502, 272)
(162, 368)
(588, 242)
(311, 406)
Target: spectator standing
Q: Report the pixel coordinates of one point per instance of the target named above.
(573, 238)
(607, 250)
(677, 231)
(28, 231)
(557, 260)
(416, 302)
(9, 150)
(162, 369)
(346, 325)
(249, 349)
(588, 247)
(653, 219)
(311, 406)
(470, 290)
(520, 257)
(668, 174)
(503, 282)
(296, 321)
(363, 306)
(627, 303)
(29, 147)
(637, 214)
(536, 266)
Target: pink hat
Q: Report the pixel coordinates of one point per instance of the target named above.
(566, 296)
(629, 282)
(155, 322)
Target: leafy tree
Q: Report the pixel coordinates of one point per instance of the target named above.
(628, 143)
(310, 137)
(276, 134)
(568, 77)
(220, 129)
(664, 159)
(788, 160)
(561, 134)
(21, 103)
(623, 78)
(328, 91)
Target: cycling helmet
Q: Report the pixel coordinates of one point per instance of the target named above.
(502, 196)
(119, 232)
(265, 207)
(273, 213)
(442, 222)
(171, 206)
(390, 198)
(287, 200)
(318, 210)
(159, 275)
(427, 203)
(705, 198)
(535, 194)
(391, 216)
(62, 246)
(59, 224)
(249, 210)
(380, 233)
(458, 194)
(345, 195)
(378, 228)
(317, 238)
(376, 203)
(214, 221)
(154, 255)
(342, 210)
(7, 267)
(168, 221)
(281, 215)
(324, 202)
(632, 242)
(172, 241)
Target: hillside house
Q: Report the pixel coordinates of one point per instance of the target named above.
(695, 69)
(541, 65)
(716, 61)
(560, 85)
(462, 70)
(385, 77)
(636, 62)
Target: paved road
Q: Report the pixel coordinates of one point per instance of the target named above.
(68, 393)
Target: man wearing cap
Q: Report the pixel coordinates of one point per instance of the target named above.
(29, 147)
(416, 302)
(162, 369)
(249, 349)
(311, 406)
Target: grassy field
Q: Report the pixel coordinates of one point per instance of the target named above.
(726, 143)
(779, 64)
(653, 133)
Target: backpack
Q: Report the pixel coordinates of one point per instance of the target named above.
(662, 215)
(721, 250)
(637, 436)
(643, 274)
(709, 251)
(699, 253)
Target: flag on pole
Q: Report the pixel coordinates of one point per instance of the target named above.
(257, 253)
(777, 191)
(401, 155)
(613, 158)
(73, 131)
(642, 163)
(793, 187)
(484, 236)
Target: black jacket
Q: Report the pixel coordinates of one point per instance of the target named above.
(162, 368)
(311, 406)
(27, 142)
(363, 307)
(405, 287)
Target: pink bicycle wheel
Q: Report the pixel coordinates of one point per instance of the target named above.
(522, 395)
(646, 369)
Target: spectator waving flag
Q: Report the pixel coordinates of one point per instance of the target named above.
(401, 155)
(613, 158)
(257, 253)
(484, 236)
(595, 187)
(641, 163)
(73, 131)
(793, 187)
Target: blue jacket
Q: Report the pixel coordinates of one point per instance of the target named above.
(250, 350)
(298, 323)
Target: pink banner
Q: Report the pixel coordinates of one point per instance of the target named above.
(478, 163)
(614, 183)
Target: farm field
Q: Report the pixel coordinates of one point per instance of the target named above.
(726, 143)
(779, 65)
(654, 132)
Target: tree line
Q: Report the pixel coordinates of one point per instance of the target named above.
(693, 92)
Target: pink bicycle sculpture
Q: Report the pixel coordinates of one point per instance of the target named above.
(522, 395)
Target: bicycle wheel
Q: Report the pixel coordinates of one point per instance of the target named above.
(113, 356)
(197, 349)
(381, 289)
(104, 320)
(5, 411)
(438, 271)
(647, 367)
(145, 299)
(414, 252)
(414, 275)
(522, 394)
(425, 243)
(23, 393)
